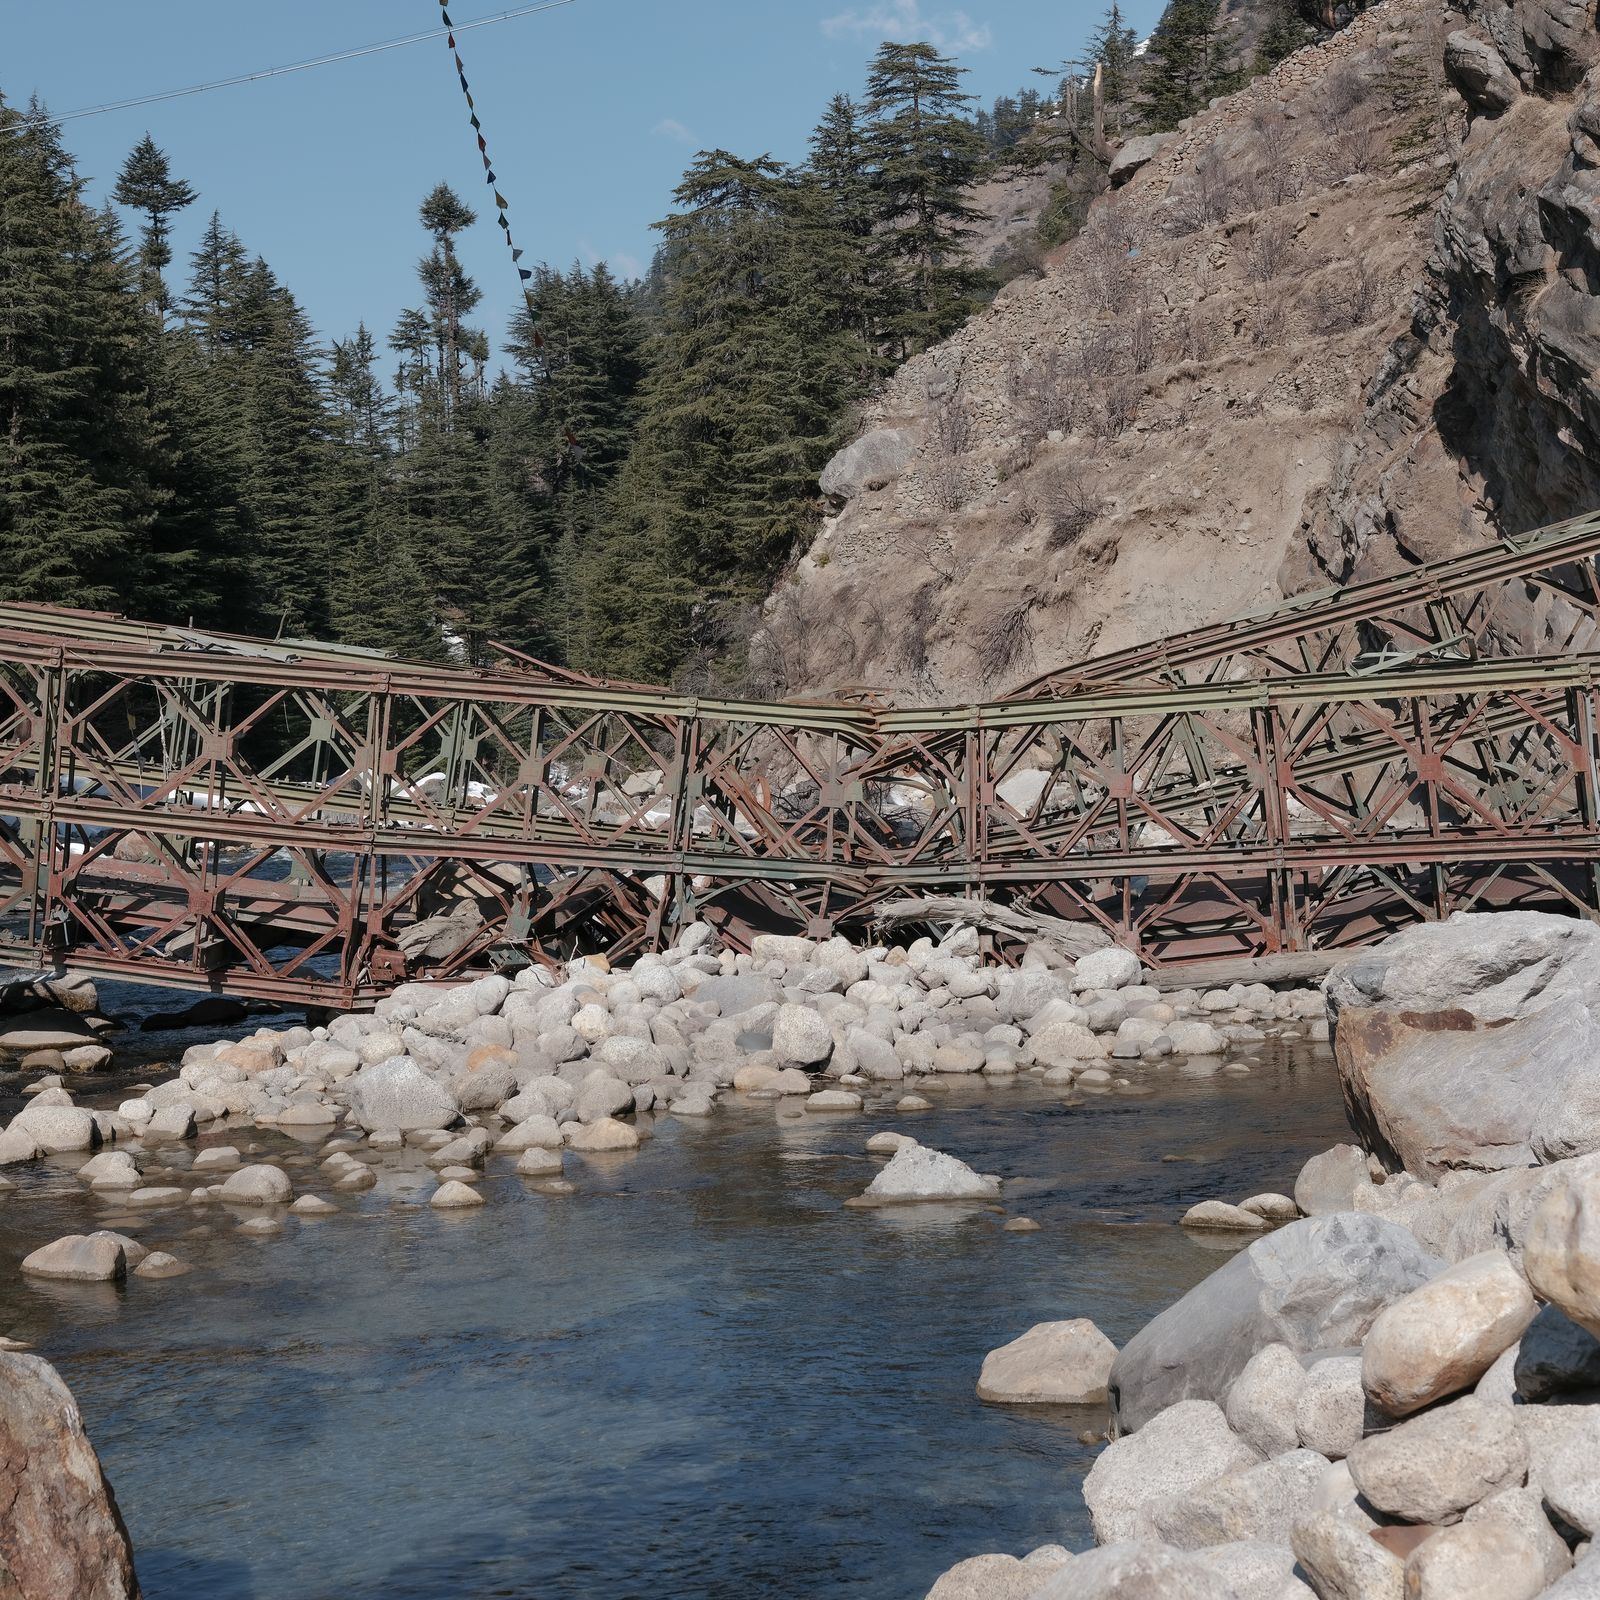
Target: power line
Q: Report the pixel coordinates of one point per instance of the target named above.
(293, 66)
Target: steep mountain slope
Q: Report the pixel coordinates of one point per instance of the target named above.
(1334, 325)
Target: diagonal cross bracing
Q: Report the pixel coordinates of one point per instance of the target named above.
(304, 822)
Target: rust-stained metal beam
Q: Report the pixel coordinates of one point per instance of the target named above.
(295, 820)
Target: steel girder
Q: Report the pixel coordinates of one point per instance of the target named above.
(301, 822)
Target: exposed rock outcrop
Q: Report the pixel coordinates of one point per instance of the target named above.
(1386, 251)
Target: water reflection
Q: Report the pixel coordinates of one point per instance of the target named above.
(697, 1375)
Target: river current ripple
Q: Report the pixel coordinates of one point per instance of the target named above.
(697, 1376)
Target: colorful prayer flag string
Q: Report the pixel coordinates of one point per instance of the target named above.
(502, 205)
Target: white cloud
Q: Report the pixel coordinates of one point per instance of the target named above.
(624, 265)
(905, 20)
(671, 128)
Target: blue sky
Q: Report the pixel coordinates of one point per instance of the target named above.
(591, 111)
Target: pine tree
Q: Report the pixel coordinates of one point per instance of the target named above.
(754, 364)
(1187, 63)
(1286, 32)
(76, 436)
(285, 458)
(1114, 48)
(146, 185)
(927, 154)
(379, 598)
(451, 294)
(840, 168)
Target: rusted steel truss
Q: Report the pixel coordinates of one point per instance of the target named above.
(306, 823)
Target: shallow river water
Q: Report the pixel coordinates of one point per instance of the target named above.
(699, 1375)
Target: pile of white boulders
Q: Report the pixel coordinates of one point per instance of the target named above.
(515, 1073)
(1398, 1394)
(496, 1062)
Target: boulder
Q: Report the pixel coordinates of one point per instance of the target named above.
(834, 1100)
(1317, 1284)
(1555, 1357)
(1342, 1562)
(1443, 1337)
(1260, 1501)
(918, 1173)
(158, 1264)
(257, 1185)
(1564, 1469)
(1331, 1181)
(734, 995)
(61, 1534)
(1561, 1251)
(1432, 1467)
(1470, 1044)
(1220, 1217)
(1145, 1571)
(111, 1169)
(1134, 154)
(455, 1196)
(1524, 1509)
(1330, 1411)
(602, 1096)
(538, 1162)
(1479, 74)
(604, 1134)
(1258, 1569)
(875, 459)
(57, 1129)
(1475, 1561)
(1176, 1451)
(1053, 1363)
(995, 1577)
(79, 1258)
(801, 1037)
(398, 1096)
(1261, 1402)
(49, 1028)
(537, 1132)
(1111, 968)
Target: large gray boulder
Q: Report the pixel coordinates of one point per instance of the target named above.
(1313, 1285)
(58, 1129)
(1135, 154)
(399, 1097)
(61, 1534)
(1479, 74)
(1471, 1043)
(1177, 1451)
(876, 458)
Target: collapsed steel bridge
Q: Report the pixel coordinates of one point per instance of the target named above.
(312, 824)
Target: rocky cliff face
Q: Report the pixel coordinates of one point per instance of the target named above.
(1493, 389)
(1344, 321)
